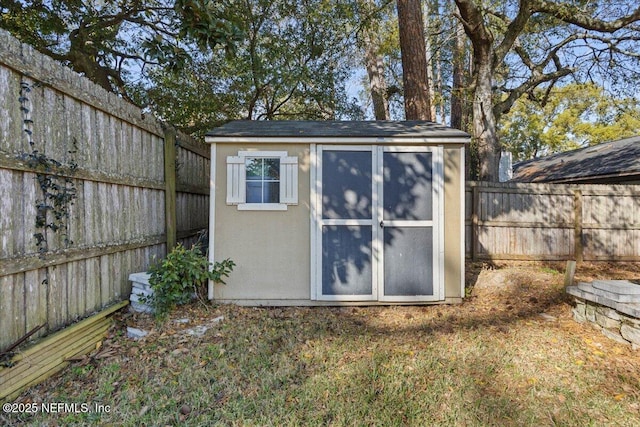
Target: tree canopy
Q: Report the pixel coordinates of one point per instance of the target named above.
(292, 63)
(110, 41)
(501, 70)
(520, 46)
(566, 118)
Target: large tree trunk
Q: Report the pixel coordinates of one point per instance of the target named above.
(461, 107)
(417, 105)
(457, 92)
(484, 120)
(430, 60)
(377, 83)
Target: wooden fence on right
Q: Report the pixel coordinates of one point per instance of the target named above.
(508, 221)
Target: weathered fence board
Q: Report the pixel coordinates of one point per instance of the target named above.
(552, 222)
(118, 221)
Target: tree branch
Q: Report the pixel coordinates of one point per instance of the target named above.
(514, 29)
(576, 16)
(504, 106)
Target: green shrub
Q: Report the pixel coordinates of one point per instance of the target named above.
(181, 275)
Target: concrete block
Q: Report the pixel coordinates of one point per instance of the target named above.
(631, 321)
(140, 308)
(609, 312)
(605, 321)
(617, 290)
(580, 307)
(581, 292)
(617, 286)
(614, 334)
(137, 298)
(579, 315)
(142, 278)
(631, 334)
(631, 309)
(583, 286)
(141, 291)
(136, 333)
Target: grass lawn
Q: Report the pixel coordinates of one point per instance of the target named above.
(493, 360)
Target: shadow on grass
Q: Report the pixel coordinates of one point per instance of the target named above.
(393, 365)
(407, 365)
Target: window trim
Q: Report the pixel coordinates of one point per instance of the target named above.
(236, 181)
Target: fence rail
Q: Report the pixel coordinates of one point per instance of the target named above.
(507, 221)
(139, 187)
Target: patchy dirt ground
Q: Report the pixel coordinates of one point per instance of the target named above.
(511, 350)
(497, 295)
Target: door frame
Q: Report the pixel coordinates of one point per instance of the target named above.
(316, 222)
(437, 174)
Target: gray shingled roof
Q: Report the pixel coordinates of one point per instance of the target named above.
(295, 128)
(609, 161)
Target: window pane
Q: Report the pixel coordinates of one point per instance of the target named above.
(346, 184)
(408, 188)
(271, 192)
(272, 168)
(254, 169)
(254, 192)
(263, 180)
(408, 261)
(346, 260)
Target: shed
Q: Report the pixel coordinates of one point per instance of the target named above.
(338, 212)
(612, 162)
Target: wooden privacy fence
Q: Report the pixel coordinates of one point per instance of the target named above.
(134, 185)
(508, 221)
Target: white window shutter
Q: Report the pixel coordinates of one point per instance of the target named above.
(236, 177)
(289, 180)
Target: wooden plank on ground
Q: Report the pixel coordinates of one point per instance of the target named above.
(49, 355)
(40, 369)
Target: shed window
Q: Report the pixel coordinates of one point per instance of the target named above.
(262, 180)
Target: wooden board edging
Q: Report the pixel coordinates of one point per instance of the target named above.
(49, 355)
(73, 328)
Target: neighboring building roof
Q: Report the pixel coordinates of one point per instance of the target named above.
(609, 162)
(349, 129)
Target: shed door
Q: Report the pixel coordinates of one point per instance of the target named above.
(378, 215)
(347, 226)
(410, 198)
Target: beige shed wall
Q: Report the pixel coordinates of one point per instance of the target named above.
(453, 221)
(271, 249)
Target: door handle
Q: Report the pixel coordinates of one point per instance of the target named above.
(381, 224)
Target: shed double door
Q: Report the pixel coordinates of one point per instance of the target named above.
(378, 216)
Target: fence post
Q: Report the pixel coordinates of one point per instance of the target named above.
(170, 186)
(577, 230)
(475, 206)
